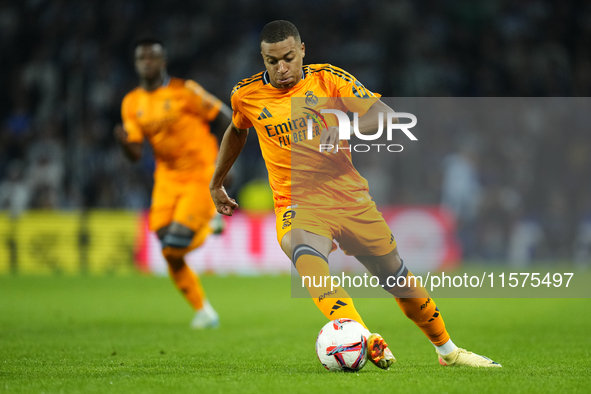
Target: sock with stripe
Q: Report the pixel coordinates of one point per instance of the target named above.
(416, 304)
(187, 282)
(334, 304)
(175, 247)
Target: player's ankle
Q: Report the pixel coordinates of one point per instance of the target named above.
(446, 348)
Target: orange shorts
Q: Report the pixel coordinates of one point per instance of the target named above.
(188, 203)
(359, 230)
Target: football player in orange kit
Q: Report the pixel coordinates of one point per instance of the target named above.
(320, 196)
(174, 115)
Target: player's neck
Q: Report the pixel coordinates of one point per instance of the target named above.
(152, 84)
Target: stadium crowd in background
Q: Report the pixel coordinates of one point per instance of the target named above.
(66, 67)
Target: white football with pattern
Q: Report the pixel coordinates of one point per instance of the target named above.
(342, 345)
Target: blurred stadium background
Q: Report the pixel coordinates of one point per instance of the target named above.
(71, 203)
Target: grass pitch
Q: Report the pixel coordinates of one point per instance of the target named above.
(131, 335)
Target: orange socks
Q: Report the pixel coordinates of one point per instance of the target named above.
(338, 306)
(313, 267)
(425, 314)
(414, 300)
(184, 278)
(421, 309)
(189, 284)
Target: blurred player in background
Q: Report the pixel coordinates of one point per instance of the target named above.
(174, 115)
(322, 194)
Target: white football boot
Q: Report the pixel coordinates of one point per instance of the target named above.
(205, 317)
(463, 357)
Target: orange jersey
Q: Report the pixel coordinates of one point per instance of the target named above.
(298, 172)
(175, 120)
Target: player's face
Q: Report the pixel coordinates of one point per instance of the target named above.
(283, 61)
(149, 61)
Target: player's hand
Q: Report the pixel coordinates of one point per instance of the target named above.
(120, 133)
(132, 150)
(330, 136)
(223, 203)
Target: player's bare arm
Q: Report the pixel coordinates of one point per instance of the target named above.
(367, 125)
(230, 148)
(132, 150)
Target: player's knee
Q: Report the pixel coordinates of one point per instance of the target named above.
(394, 282)
(303, 250)
(286, 245)
(161, 233)
(174, 248)
(177, 241)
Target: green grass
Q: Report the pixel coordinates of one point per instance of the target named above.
(131, 335)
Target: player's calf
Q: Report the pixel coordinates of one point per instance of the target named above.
(174, 248)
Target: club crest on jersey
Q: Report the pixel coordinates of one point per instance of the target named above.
(167, 105)
(311, 99)
(139, 113)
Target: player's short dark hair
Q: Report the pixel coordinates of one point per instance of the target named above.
(278, 31)
(148, 41)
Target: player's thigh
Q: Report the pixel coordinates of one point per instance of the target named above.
(299, 236)
(164, 201)
(300, 226)
(364, 232)
(194, 208)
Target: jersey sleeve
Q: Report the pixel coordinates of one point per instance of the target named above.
(357, 97)
(238, 117)
(201, 102)
(130, 123)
